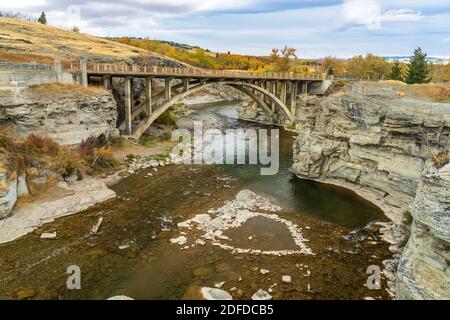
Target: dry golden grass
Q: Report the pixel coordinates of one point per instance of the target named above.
(58, 89)
(25, 41)
(428, 92)
(435, 92)
(7, 56)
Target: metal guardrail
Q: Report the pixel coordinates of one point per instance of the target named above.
(24, 66)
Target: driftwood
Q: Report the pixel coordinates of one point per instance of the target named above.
(96, 226)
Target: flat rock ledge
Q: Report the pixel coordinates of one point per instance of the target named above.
(24, 220)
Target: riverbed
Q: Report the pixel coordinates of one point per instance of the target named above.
(132, 254)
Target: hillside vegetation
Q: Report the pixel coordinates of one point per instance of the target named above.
(199, 57)
(25, 41)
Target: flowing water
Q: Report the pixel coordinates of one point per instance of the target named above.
(132, 254)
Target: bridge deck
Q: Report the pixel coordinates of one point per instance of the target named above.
(122, 70)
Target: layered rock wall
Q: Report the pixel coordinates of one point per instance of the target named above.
(66, 116)
(375, 143)
(380, 145)
(423, 271)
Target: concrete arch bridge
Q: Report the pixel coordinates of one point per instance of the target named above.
(273, 92)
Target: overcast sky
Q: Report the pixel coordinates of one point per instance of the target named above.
(316, 28)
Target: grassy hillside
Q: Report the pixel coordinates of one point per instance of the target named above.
(25, 41)
(199, 57)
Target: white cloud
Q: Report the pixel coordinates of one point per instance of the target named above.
(370, 14)
(19, 4)
(402, 15)
(362, 12)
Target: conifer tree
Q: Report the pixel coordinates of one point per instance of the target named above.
(396, 72)
(419, 71)
(42, 19)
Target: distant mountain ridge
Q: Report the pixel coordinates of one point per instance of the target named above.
(406, 59)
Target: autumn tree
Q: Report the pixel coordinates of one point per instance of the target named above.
(281, 59)
(370, 67)
(441, 73)
(419, 71)
(334, 66)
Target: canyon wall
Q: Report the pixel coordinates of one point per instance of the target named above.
(68, 114)
(371, 140)
(423, 271)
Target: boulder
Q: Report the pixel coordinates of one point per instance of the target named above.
(261, 295)
(215, 294)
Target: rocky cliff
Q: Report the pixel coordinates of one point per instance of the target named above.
(68, 113)
(212, 94)
(249, 110)
(372, 141)
(423, 271)
(379, 144)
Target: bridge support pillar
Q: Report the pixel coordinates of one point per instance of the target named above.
(186, 85)
(168, 89)
(304, 87)
(293, 97)
(84, 75)
(283, 94)
(148, 96)
(273, 90)
(128, 104)
(107, 82)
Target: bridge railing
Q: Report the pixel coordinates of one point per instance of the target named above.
(187, 72)
(24, 66)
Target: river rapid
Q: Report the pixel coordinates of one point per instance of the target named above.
(132, 254)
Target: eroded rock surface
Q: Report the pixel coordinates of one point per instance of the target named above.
(381, 145)
(67, 117)
(423, 272)
(375, 143)
(81, 195)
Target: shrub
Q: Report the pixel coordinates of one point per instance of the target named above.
(167, 118)
(441, 159)
(407, 218)
(41, 144)
(67, 165)
(87, 147)
(103, 158)
(117, 142)
(147, 141)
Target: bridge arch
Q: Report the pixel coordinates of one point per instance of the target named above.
(244, 87)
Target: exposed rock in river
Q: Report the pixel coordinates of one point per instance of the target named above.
(82, 195)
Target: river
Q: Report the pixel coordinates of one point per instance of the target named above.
(132, 254)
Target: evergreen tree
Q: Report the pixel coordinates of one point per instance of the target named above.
(418, 68)
(42, 19)
(396, 72)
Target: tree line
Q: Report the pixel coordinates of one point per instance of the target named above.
(372, 67)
